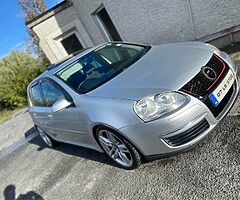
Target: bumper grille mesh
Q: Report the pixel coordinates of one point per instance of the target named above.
(188, 135)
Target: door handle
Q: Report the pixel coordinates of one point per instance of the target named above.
(50, 116)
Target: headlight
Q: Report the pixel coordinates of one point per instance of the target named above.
(214, 49)
(155, 106)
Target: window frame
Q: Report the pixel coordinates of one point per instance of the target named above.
(67, 96)
(66, 37)
(54, 83)
(41, 92)
(102, 27)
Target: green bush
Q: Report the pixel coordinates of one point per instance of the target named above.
(17, 70)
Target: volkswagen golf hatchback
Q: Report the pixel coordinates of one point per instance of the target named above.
(134, 101)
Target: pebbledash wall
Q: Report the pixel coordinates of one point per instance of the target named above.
(142, 21)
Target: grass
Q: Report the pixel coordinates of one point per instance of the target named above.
(7, 113)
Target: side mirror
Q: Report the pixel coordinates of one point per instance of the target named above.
(60, 105)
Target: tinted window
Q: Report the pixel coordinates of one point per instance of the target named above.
(36, 97)
(101, 65)
(51, 93)
(71, 44)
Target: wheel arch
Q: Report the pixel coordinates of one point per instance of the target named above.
(94, 132)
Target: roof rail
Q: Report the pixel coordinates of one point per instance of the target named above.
(52, 66)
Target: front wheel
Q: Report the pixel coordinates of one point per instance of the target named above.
(118, 148)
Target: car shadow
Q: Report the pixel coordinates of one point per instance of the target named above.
(72, 150)
(9, 193)
(30, 132)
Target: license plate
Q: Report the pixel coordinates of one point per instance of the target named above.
(218, 94)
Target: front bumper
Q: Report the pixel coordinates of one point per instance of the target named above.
(152, 138)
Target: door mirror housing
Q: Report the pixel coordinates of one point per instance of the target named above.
(60, 105)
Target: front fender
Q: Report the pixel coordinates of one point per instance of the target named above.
(115, 113)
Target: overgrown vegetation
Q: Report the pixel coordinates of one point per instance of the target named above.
(17, 70)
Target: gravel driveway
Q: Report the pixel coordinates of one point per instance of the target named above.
(14, 129)
(210, 171)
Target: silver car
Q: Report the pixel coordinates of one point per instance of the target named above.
(134, 102)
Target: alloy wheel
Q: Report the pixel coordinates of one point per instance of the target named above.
(115, 148)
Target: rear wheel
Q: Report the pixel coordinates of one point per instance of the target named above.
(118, 148)
(46, 138)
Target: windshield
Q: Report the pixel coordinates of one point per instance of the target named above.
(100, 65)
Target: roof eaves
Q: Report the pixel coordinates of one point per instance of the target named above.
(48, 13)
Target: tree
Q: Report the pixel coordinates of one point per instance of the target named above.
(17, 70)
(31, 9)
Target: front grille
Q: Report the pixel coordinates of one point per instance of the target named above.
(187, 136)
(201, 87)
(200, 84)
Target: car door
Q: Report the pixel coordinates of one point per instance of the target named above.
(38, 108)
(65, 125)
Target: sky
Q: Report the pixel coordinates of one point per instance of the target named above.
(13, 33)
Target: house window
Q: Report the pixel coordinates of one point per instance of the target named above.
(107, 25)
(71, 44)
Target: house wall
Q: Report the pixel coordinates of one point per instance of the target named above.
(55, 28)
(142, 21)
(212, 16)
(160, 21)
(153, 22)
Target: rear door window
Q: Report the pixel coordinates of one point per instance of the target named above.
(36, 96)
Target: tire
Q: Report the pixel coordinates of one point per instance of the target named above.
(46, 138)
(118, 148)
